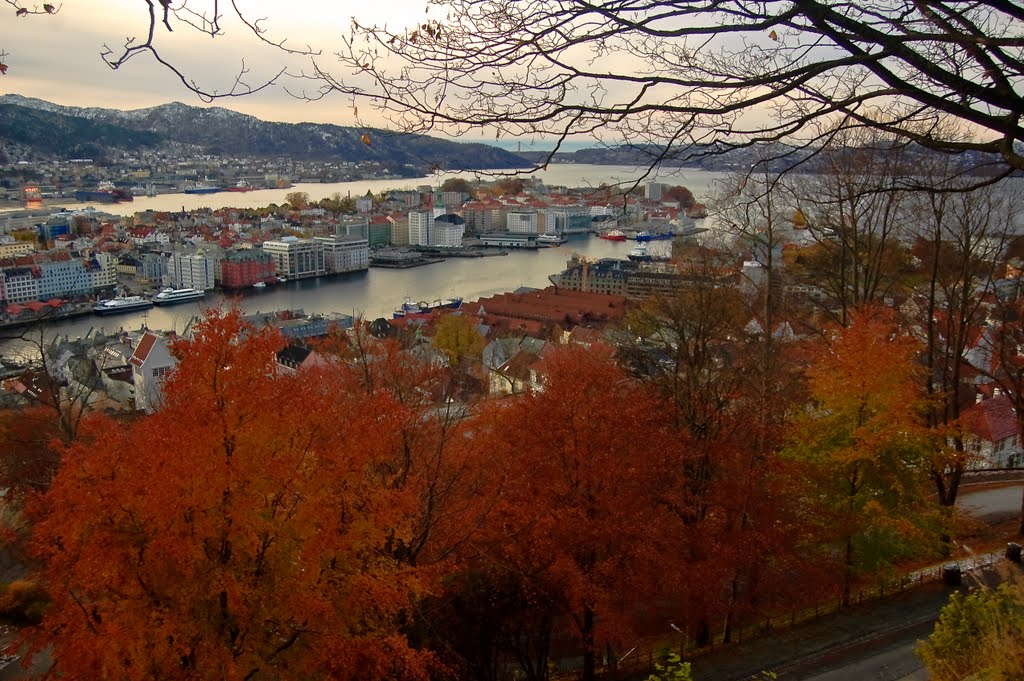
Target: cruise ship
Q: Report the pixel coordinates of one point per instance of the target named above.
(173, 296)
(122, 304)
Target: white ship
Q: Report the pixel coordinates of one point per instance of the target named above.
(173, 296)
(122, 304)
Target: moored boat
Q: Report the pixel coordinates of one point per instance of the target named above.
(242, 186)
(423, 307)
(105, 192)
(173, 296)
(260, 284)
(639, 254)
(613, 235)
(122, 304)
(550, 239)
(202, 188)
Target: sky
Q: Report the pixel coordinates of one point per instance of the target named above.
(58, 58)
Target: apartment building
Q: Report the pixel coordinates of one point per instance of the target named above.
(297, 258)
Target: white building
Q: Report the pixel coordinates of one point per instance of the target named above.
(521, 221)
(103, 275)
(20, 286)
(364, 204)
(447, 231)
(345, 253)
(297, 258)
(655, 191)
(420, 222)
(563, 220)
(63, 278)
(196, 270)
(150, 361)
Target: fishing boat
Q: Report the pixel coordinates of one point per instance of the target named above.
(613, 235)
(423, 307)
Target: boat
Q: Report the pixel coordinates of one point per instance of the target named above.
(260, 284)
(648, 236)
(122, 304)
(242, 186)
(409, 308)
(639, 254)
(552, 239)
(202, 188)
(613, 235)
(105, 192)
(173, 296)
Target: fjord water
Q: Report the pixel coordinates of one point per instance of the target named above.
(700, 182)
(377, 292)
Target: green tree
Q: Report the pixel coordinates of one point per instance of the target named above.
(978, 636)
(458, 337)
(671, 669)
(863, 448)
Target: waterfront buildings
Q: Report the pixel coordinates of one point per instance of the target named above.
(443, 231)
(522, 221)
(192, 270)
(242, 268)
(297, 258)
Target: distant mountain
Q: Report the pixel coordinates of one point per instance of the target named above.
(58, 130)
(58, 134)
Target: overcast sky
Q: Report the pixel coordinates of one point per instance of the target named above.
(57, 58)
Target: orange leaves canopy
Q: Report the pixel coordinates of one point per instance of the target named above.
(237, 533)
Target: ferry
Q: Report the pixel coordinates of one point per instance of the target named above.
(122, 304)
(173, 296)
(550, 239)
(613, 235)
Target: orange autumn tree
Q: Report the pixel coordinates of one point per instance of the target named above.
(238, 533)
(581, 518)
(862, 447)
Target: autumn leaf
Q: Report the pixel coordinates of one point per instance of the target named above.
(21, 12)
(774, 36)
(365, 139)
(3, 68)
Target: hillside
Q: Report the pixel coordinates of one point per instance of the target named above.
(55, 130)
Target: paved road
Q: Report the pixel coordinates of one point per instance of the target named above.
(992, 504)
(891, 660)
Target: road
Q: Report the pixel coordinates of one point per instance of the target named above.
(890, 659)
(995, 504)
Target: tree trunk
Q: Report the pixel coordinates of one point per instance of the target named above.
(589, 666)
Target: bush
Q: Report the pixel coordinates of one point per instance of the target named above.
(22, 600)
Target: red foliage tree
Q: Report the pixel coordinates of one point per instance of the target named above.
(238, 533)
(591, 473)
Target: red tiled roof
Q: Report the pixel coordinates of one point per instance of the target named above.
(143, 349)
(992, 420)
